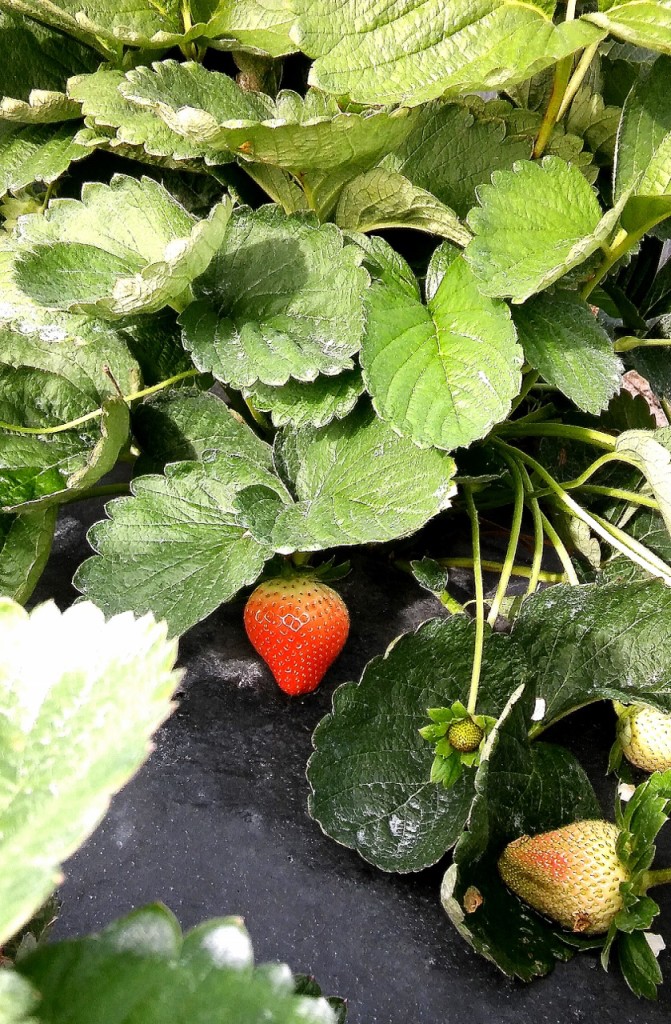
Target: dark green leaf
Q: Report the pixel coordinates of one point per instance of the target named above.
(638, 965)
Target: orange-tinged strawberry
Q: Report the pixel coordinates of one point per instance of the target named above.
(571, 875)
(299, 627)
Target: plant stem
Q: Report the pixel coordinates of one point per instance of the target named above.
(488, 566)
(629, 343)
(516, 428)
(561, 80)
(560, 548)
(660, 876)
(98, 412)
(103, 491)
(511, 551)
(633, 497)
(656, 566)
(620, 245)
(537, 517)
(479, 602)
(577, 78)
(527, 384)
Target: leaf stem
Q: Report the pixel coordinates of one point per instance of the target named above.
(98, 412)
(561, 80)
(629, 343)
(620, 245)
(537, 516)
(479, 602)
(529, 381)
(660, 876)
(577, 78)
(102, 491)
(515, 528)
(517, 428)
(489, 566)
(560, 548)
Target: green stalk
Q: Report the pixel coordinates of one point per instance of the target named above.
(620, 245)
(513, 543)
(516, 428)
(489, 566)
(98, 412)
(537, 516)
(560, 548)
(479, 602)
(633, 497)
(629, 343)
(577, 78)
(561, 81)
(660, 876)
(527, 384)
(103, 491)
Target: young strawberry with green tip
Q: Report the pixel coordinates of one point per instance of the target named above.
(572, 874)
(299, 626)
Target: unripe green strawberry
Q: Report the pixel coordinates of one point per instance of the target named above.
(465, 736)
(571, 875)
(645, 737)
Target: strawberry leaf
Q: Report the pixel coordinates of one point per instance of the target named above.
(370, 773)
(638, 965)
(315, 403)
(296, 316)
(520, 789)
(645, 23)
(81, 698)
(25, 544)
(36, 153)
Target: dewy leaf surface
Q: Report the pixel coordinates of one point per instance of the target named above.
(370, 771)
(442, 374)
(598, 642)
(645, 23)
(385, 199)
(33, 79)
(354, 483)
(25, 545)
(292, 132)
(81, 698)
(410, 52)
(127, 247)
(562, 339)
(142, 968)
(534, 224)
(36, 153)
(176, 547)
(521, 788)
(267, 318)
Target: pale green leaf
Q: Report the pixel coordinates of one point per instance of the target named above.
(650, 451)
(369, 774)
(292, 132)
(410, 53)
(141, 968)
(442, 374)
(35, 473)
(255, 25)
(534, 224)
(106, 109)
(32, 81)
(354, 483)
(644, 23)
(295, 315)
(315, 403)
(81, 698)
(175, 547)
(36, 153)
(126, 247)
(385, 199)
(25, 544)
(563, 340)
(17, 999)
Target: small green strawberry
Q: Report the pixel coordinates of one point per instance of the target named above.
(465, 736)
(644, 736)
(458, 740)
(572, 874)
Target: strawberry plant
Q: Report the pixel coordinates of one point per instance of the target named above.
(304, 276)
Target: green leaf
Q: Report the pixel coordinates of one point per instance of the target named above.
(142, 967)
(354, 484)
(32, 82)
(36, 473)
(650, 451)
(25, 544)
(385, 199)
(255, 25)
(127, 247)
(644, 23)
(135, 126)
(418, 51)
(315, 403)
(597, 642)
(296, 315)
(534, 224)
(430, 575)
(521, 789)
(81, 698)
(36, 153)
(17, 999)
(563, 340)
(445, 373)
(175, 547)
(292, 132)
(643, 159)
(638, 965)
(370, 773)
(186, 425)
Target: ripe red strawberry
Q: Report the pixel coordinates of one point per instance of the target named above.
(572, 874)
(299, 627)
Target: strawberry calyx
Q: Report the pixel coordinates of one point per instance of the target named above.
(458, 739)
